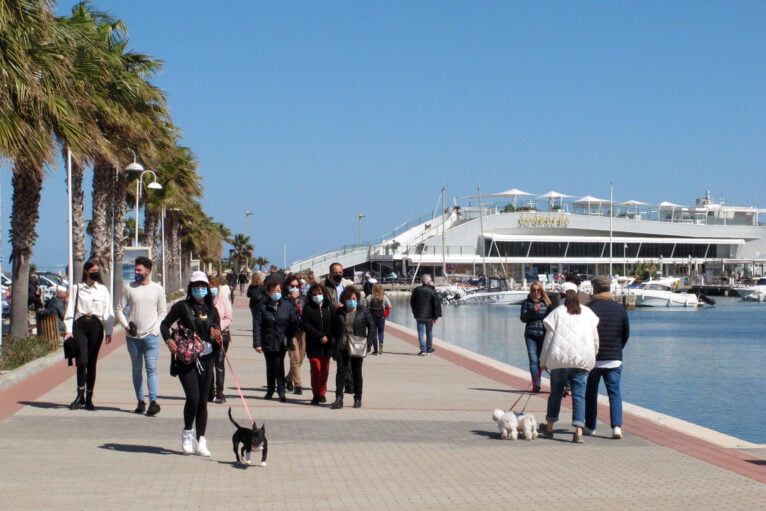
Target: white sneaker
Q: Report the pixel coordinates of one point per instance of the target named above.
(187, 441)
(587, 432)
(616, 432)
(202, 447)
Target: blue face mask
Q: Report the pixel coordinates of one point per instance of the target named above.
(317, 298)
(199, 292)
(214, 292)
(139, 277)
(351, 304)
(275, 297)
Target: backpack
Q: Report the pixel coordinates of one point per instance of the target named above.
(376, 309)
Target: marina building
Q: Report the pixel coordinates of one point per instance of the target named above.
(510, 235)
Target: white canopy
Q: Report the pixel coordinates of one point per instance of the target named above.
(633, 203)
(666, 204)
(553, 195)
(513, 192)
(589, 199)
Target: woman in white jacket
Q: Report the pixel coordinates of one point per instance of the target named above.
(569, 352)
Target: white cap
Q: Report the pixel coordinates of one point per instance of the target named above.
(372, 281)
(568, 286)
(199, 276)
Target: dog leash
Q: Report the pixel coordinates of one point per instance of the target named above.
(236, 382)
(527, 392)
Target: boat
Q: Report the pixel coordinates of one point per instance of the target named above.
(496, 291)
(659, 293)
(753, 293)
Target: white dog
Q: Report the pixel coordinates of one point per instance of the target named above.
(506, 423)
(527, 425)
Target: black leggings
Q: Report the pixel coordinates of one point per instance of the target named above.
(196, 387)
(88, 335)
(220, 362)
(355, 363)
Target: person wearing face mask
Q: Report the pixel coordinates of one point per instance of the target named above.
(274, 325)
(223, 305)
(146, 307)
(89, 319)
(291, 290)
(357, 321)
(197, 313)
(317, 322)
(335, 283)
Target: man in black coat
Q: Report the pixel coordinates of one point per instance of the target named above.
(426, 308)
(613, 332)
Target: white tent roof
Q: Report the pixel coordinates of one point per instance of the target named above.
(666, 204)
(633, 203)
(513, 192)
(590, 199)
(553, 195)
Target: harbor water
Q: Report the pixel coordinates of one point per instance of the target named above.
(702, 365)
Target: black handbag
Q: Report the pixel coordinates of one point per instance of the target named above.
(71, 349)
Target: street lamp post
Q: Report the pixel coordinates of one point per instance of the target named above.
(154, 185)
(361, 215)
(247, 233)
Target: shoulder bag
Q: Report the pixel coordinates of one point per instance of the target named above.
(357, 346)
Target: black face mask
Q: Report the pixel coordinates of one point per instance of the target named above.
(337, 278)
(94, 275)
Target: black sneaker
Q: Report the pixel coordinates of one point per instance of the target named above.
(141, 408)
(315, 400)
(322, 399)
(430, 351)
(298, 390)
(153, 410)
(421, 353)
(289, 386)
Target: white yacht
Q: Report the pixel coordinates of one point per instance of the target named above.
(659, 293)
(496, 291)
(755, 293)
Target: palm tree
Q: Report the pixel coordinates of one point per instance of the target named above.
(40, 101)
(243, 249)
(261, 262)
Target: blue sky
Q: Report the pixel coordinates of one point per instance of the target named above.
(309, 113)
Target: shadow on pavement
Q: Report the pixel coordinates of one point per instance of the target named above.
(149, 449)
(486, 434)
(52, 406)
(238, 466)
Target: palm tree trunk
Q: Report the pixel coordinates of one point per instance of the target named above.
(101, 240)
(151, 223)
(78, 222)
(27, 184)
(120, 203)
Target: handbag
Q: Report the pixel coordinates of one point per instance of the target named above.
(189, 346)
(71, 348)
(357, 346)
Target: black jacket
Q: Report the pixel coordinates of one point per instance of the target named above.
(318, 322)
(257, 295)
(534, 318)
(613, 327)
(194, 316)
(273, 324)
(425, 303)
(364, 325)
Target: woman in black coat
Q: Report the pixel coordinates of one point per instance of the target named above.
(533, 311)
(350, 319)
(197, 313)
(274, 325)
(317, 322)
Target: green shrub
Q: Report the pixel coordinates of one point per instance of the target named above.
(17, 352)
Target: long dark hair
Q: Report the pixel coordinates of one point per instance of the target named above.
(90, 263)
(573, 302)
(208, 297)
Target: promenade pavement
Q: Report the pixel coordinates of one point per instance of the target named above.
(424, 439)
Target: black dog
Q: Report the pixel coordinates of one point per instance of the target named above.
(250, 439)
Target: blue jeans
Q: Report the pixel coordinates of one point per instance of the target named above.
(425, 335)
(534, 348)
(577, 379)
(144, 349)
(381, 325)
(612, 381)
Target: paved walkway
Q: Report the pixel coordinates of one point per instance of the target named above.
(423, 440)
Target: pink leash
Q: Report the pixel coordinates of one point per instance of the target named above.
(527, 392)
(236, 382)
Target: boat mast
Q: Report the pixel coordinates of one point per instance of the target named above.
(481, 227)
